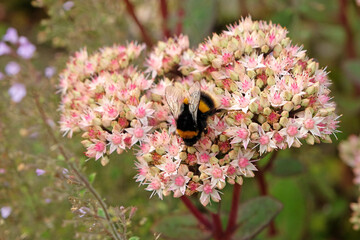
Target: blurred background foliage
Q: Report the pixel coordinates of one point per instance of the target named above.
(313, 184)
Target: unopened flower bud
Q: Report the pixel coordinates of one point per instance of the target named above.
(234, 76)
(253, 107)
(305, 102)
(129, 115)
(326, 139)
(190, 174)
(254, 136)
(296, 99)
(254, 127)
(183, 156)
(251, 74)
(213, 160)
(259, 83)
(265, 49)
(216, 63)
(277, 50)
(191, 150)
(231, 181)
(233, 154)
(288, 95)
(239, 180)
(248, 49)
(271, 81)
(261, 119)
(104, 160)
(285, 42)
(276, 126)
(196, 178)
(296, 144)
(204, 60)
(285, 114)
(310, 139)
(203, 176)
(312, 67)
(267, 111)
(265, 126)
(283, 121)
(223, 138)
(229, 120)
(96, 121)
(288, 106)
(220, 185)
(215, 148)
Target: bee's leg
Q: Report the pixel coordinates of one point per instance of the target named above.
(205, 130)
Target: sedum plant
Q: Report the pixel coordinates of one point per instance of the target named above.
(270, 94)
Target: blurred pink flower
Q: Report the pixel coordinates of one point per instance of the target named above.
(17, 92)
(5, 211)
(11, 36)
(26, 51)
(39, 171)
(4, 48)
(12, 68)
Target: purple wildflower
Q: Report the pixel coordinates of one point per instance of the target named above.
(17, 92)
(12, 68)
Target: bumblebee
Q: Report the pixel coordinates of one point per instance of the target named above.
(190, 112)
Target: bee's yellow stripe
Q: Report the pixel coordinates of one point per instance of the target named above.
(203, 107)
(187, 134)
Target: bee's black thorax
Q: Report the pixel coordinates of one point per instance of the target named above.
(187, 128)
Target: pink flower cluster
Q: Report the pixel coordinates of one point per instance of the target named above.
(171, 58)
(270, 95)
(105, 97)
(350, 154)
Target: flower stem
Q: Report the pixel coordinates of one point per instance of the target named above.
(144, 34)
(87, 184)
(197, 214)
(180, 16)
(344, 20)
(233, 211)
(217, 231)
(164, 14)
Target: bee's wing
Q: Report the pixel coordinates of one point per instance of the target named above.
(195, 93)
(174, 97)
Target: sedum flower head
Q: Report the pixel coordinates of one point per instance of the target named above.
(270, 96)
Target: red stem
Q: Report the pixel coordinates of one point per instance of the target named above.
(164, 14)
(244, 12)
(233, 211)
(264, 188)
(217, 231)
(197, 214)
(180, 15)
(350, 44)
(144, 34)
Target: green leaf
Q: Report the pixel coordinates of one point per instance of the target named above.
(101, 212)
(134, 238)
(180, 227)
(286, 166)
(213, 207)
(255, 215)
(199, 14)
(284, 18)
(92, 177)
